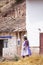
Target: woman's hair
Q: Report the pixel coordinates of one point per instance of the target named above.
(25, 38)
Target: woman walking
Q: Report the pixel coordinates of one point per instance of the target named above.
(25, 48)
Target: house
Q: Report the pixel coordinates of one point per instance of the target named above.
(34, 24)
(12, 28)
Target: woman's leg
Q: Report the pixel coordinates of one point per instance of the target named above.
(27, 55)
(23, 56)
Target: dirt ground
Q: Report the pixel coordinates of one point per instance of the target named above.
(32, 60)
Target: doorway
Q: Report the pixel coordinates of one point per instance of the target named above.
(41, 43)
(1, 47)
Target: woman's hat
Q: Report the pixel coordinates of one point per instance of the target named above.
(25, 35)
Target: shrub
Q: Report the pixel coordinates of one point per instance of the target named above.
(16, 58)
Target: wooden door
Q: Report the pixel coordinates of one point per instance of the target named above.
(41, 43)
(1, 47)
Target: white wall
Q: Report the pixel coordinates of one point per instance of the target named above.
(11, 51)
(34, 21)
(12, 42)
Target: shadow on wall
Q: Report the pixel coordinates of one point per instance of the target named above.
(19, 1)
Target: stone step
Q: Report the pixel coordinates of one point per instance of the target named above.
(2, 59)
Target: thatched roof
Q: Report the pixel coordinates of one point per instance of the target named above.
(9, 24)
(15, 19)
(7, 7)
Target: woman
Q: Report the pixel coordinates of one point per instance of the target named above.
(25, 48)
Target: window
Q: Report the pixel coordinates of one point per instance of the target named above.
(5, 43)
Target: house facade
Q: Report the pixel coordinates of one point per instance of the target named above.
(34, 24)
(12, 28)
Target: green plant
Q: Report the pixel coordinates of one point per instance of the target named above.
(16, 58)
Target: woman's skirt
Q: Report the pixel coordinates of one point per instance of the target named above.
(26, 51)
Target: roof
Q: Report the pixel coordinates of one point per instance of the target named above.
(9, 24)
(12, 18)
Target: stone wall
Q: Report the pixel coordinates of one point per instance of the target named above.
(13, 47)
